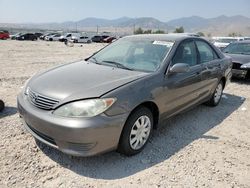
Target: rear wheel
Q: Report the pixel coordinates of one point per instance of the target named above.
(136, 132)
(216, 97)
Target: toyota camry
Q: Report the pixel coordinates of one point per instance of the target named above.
(114, 99)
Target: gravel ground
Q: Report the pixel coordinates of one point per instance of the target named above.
(205, 147)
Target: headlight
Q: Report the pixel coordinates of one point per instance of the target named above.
(245, 66)
(26, 90)
(85, 108)
(25, 87)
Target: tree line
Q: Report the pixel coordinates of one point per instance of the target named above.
(178, 30)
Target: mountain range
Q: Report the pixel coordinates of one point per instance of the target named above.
(222, 25)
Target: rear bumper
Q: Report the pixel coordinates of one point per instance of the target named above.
(74, 136)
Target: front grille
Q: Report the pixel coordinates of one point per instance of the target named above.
(43, 136)
(41, 101)
(81, 146)
(236, 65)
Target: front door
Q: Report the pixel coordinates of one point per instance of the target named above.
(181, 90)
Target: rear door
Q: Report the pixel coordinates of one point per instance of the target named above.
(211, 67)
(181, 90)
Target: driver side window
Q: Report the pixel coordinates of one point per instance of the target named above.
(185, 53)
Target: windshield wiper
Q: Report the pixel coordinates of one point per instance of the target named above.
(94, 60)
(119, 65)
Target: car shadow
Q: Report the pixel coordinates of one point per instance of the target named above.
(178, 133)
(245, 81)
(8, 111)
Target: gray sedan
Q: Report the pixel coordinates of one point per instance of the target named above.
(240, 54)
(114, 99)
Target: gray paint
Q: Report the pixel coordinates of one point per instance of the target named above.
(170, 92)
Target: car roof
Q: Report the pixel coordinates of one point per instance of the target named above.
(164, 37)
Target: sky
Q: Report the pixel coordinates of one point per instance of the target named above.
(37, 11)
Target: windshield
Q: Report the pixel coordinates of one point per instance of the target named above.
(132, 54)
(238, 48)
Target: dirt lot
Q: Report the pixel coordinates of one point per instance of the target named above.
(205, 147)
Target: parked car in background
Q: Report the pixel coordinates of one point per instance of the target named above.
(13, 37)
(99, 38)
(54, 37)
(27, 36)
(96, 38)
(69, 36)
(240, 54)
(45, 35)
(222, 42)
(81, 39)
(115, 98)
(109, 39)
(4, 35)
(38, 35)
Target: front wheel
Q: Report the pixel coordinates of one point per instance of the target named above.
(136, 132)
(216, 97)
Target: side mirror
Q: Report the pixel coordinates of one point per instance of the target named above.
(179, 68)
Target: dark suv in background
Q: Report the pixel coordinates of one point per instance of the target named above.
(27, 36)
(99, 38)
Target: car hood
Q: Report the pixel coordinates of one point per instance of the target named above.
(239, 58)
(81, 80)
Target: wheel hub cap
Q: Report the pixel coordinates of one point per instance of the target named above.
(140, 132)
(218, 93)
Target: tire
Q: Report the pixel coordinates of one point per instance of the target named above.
(89, 41)
(130, 143)
(50, 39)
(1, 105)
(248, 75)
(216, 97)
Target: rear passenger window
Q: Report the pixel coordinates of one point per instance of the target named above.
(206, 52)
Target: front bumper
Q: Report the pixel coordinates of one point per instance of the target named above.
(239, 73)
(74, 136)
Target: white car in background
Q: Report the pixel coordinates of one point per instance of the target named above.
(55, 37)
(81, 39)
(69, 36)
(222, 42)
